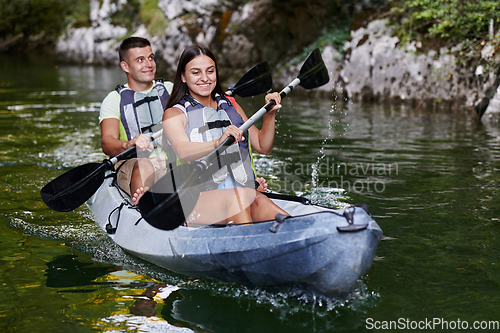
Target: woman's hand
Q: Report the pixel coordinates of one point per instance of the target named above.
(262, 184)
(230, 131)
(142, 142)
(276, 97)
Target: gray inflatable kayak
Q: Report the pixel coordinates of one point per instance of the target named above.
(318, 249)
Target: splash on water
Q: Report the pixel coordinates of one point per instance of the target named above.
(330, 197)
(284, 297)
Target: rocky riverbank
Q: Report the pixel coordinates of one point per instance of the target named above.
(373, 65)
(377, 67)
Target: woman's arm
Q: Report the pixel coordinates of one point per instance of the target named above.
(262, 140)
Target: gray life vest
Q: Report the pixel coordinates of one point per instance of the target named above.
(143, 113)
(206, 124)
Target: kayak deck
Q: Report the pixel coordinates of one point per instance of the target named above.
(317, 248)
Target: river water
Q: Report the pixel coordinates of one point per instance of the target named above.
(429, 177)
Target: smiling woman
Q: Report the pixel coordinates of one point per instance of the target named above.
(199, 117)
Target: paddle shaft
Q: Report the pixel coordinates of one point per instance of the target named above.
(212, 156)
(124, 154)
(229, 92)
(312, 75)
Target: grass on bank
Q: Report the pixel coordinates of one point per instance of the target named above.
(469, 23)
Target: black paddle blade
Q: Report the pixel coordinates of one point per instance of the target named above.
(313, 73)
(171, 199)
(71, 189)
(257, 80)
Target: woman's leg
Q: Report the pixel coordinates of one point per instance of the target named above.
(239, 205)
(221, 206)
(261, 207)
(264, 209)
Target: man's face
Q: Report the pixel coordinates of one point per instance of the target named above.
(139, 64)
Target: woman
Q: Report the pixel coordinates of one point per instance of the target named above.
(198, 118)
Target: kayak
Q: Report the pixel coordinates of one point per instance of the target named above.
(318, 249)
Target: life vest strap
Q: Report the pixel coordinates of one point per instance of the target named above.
(223, 160)
(149, 128)
(147, 99)
(190, 99)
(214, 124)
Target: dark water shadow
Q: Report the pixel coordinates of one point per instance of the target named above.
(67, 271)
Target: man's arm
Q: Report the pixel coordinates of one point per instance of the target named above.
(112, 145)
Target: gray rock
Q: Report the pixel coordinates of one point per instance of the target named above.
(175, 8)
(242, 33)
(95, 44)
(493, 109)
(377, 67)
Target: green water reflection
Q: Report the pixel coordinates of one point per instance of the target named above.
(434, 191)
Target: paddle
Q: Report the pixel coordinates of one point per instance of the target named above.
(255, 81)
(71, 189)
(170, 200)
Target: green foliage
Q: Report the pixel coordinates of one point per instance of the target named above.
(338, 33)
(80, 14)
(135, 12)
(153, 17)
(46, 19)
(451, 20)
(128, 15)
(33, 17)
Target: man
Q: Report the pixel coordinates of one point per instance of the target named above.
(131, 114)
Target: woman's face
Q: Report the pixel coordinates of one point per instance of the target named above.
(200, 76)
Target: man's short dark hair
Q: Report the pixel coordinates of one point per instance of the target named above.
(131, 43)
